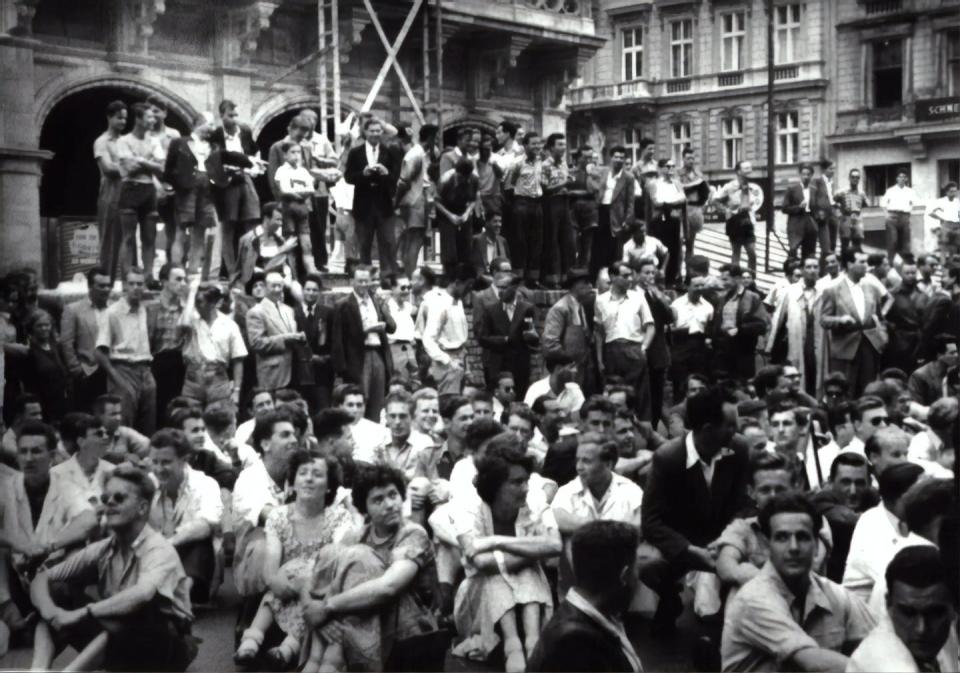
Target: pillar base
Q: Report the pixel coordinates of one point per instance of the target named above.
(20, 232)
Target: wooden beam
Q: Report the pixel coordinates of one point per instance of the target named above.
(391, 59)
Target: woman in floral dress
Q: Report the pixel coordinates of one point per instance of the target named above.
(295, 533)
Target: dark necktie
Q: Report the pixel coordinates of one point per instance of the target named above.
(929, 666)
(809, 347)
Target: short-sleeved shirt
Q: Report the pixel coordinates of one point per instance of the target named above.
(130, 147)
(154, 563)
(220, 342)
(693, 318)
(254, 490)
(760, 632)
(555, 173)
(623, 317)
(621, 502)
(123, 332)
(70, 472)
(526, 178)
(163, 324)
(413, 171)
(651, 247)
(197, 500)
(368, 439)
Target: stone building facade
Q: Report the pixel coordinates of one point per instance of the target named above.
(62, 62)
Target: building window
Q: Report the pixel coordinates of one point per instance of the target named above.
(953, 62)
(887, 76)
(679, 140)
(877, 179)
(788, 137)
(681, 48)
(631, 54)
(632, 143)
(787, 27)
(948, 170)
(732, 132)
(732, 35)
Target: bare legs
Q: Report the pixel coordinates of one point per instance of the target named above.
(513, 650)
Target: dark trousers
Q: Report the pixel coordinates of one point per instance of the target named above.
(138, 393)
(169, 372)
(604, 246)
(528, 228)
(167, 210)
(802, 236)
(689, 355)
(88, 388)
(374, 382)
(411, 242)
(198, 563)
(827, 234)
(454, 245)
(898, 233)
(380, 224)
(318, 229)
(138, 208)
(861, 370)
(658, 379)
(559, 246)
(627, 360)
(669, 226)
(319, 395)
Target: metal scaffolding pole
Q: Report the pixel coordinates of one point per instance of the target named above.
(335, 44)
(769, 209)
(439, 5)
(322, 63)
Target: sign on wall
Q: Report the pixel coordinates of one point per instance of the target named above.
(938, 109)
(79, 245)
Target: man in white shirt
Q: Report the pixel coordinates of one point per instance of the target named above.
(368, 437)
(899, 200)
(670, 202)
(694, 315)
(945, 211)
(186, 509)
(86, 470)
(559, 382)
(641, 246)
(403, 312)
(445, 338)
(412, 196)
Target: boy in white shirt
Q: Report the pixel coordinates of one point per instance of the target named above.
(297, 186)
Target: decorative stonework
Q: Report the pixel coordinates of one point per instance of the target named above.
(504, 59)
(20, 16)
(145, 13)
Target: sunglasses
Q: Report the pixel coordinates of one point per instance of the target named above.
(879, 420)
(404, 288)
(118, 498)
(98, 432)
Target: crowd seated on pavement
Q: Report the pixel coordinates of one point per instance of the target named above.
(514, 461)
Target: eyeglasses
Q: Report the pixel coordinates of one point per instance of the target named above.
(99, 432)
(791, 376)
(404, 288)
(879, 420)
(119, 498)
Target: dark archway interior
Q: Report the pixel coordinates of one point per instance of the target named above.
(450, 132)
(71, 178)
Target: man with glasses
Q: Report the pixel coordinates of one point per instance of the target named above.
(671, 202)
(143, 617)
(404, 313)
(86, 470)
(869, 414)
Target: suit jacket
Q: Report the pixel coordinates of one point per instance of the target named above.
(905, 320)
(563, 332)
(478, 253)
(319, 328)
(797, 217)
(501, 339)
(622, 206)
(751, 320)
(846, 339)
(247, 256)
(266, 322)
(218, 139)
(371, 192)
(679, 509)
(926, 384)
(822, 205)
(347, 342)
(942, 316)
(78, 336)
(221, 164)
(180, 168)
(572, 641)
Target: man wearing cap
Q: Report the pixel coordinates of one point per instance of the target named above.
(568, 328)
(215, 350)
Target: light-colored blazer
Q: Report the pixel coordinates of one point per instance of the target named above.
(846, 339)
(78, 336)
(621, 206)
(266, 324)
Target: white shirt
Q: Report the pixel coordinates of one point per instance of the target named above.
(406, 330)
(70, 472)
(232, 142)
(882, 650)
(947, 209)
(899, 199)
(369, 318)
(373, 154)
(446, 328)
(245, 431)
(651, 247)
(624, 317)
(609, 187)
(692, 317)
(570, 398)
(254, 490)
(667, 193)
(621, 502)
(806, 195)
(197, 499)
(859, 302)
(924, 446)
(368, 439)
(432, 297)
(294, 179)
(200, 149)
(875, 538)
(693, 458)
(219, 342)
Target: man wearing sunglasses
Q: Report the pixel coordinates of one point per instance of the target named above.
(143, 617)
(869, 415)
(85, 469)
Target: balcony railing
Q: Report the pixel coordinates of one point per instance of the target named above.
(730, 79)
(874, 7)
(566, 15)
(679, 85)
(572, 7)
(610, 93)
(786, 72)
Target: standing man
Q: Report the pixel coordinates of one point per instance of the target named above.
(646, 172)
(123, 350)
(411, 196)
(166, 339)
(490, 179)
(163, 135)
(693, 321)
(899, 200)
(615, 194)
(801, 225)
(360, 349)
(583, 203)
(669, 199)
(824, 201)
(273, 335)
(946, 211)
(445, 338)
(625, 329)
(852, 202)
(568, 329)
(798, 312)
(78, 339)
(658, 353)
(698, 192)
(509, 153)
(851, 312)
(740, 200)
(738, 323)
(905, 319)
(525, 183)
(140, 164)
(558, 237)
(504, 329)
(315, 320)
(403, 312)
(372, 170)
(456, 204)
(323, 167)
(238, 204)
(488, 245)
(108, 198)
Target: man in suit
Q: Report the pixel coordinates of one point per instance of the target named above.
(504, 329)
(488, 245)
(697, 484)
(359, 345)
(315, 320)
(273, 334)
(373, 171)
(568, 329)
(585, 633)
(78, 339)
(824, 199)
(905, 318)
(238, 206)
(615, 194)
(851, 312)
(798, 205)
(738, 323)
(185, 170)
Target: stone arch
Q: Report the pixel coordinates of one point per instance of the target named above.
(285, 102)
(62, 87)
(485, 124)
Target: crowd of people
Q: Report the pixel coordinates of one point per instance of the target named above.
(782, 463)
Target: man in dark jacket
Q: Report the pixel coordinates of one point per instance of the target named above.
(739, 321)
(798, 205)
(505, 330)
(585, 633)
(186, 171)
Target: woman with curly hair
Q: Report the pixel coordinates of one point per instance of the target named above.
(44, 369)
(373, 590)
(295, 533)
(502, 551)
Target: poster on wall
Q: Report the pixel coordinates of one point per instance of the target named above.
(79, 245)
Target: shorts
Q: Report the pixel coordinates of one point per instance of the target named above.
(851, 227)
(413, 216)
(296, 217)
(240, 201)
(740, 230)
(195, 206)
(694, 220)
(138, 196)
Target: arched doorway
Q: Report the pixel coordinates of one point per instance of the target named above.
(450, 131)
(71, 178)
